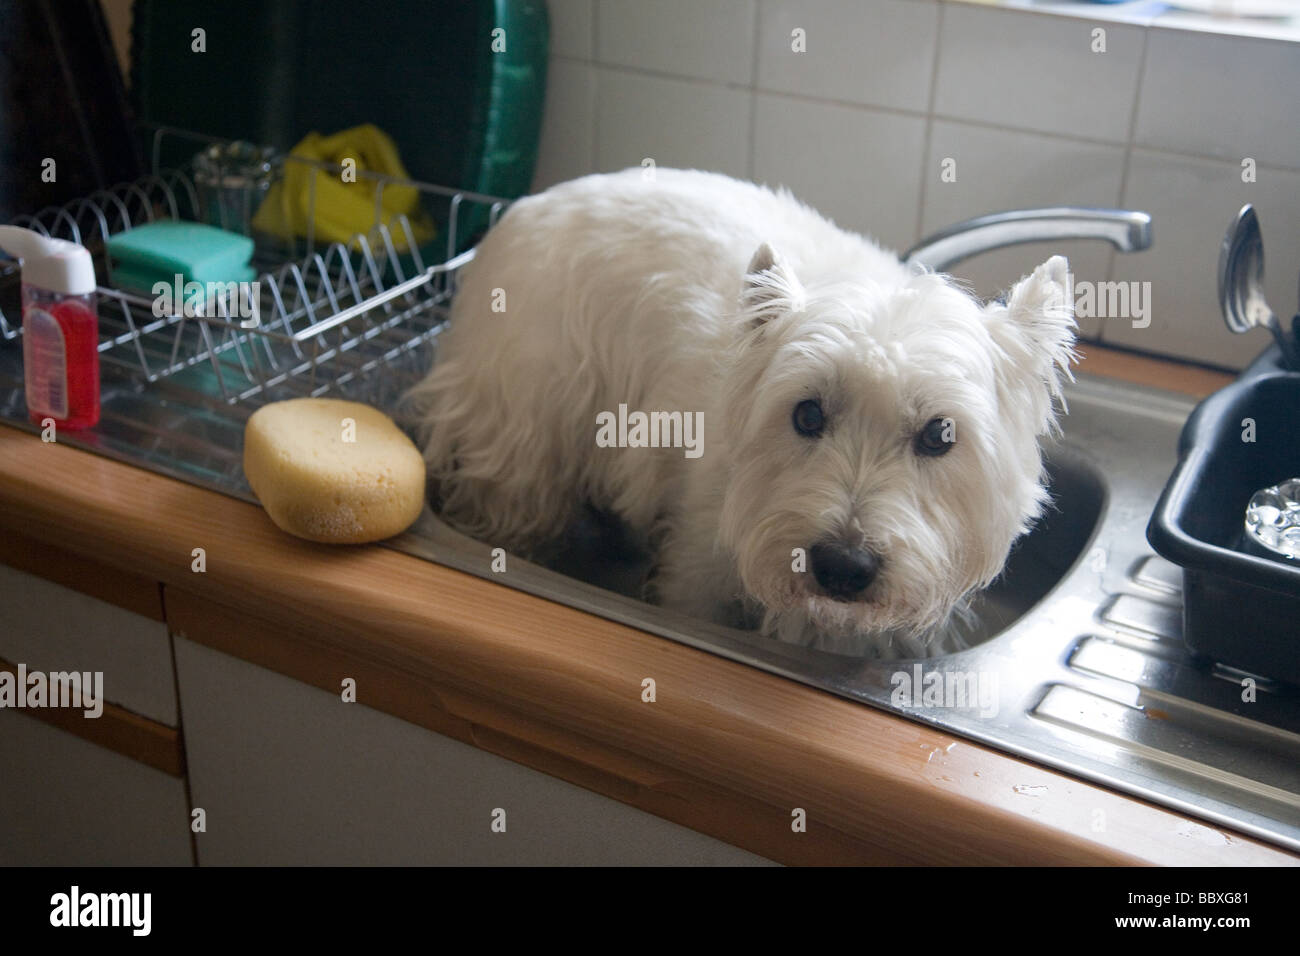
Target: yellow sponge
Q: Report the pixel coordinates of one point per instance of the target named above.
(333, 471)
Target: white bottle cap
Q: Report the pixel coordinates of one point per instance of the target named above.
(52, 264)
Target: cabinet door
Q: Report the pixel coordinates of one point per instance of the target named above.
(287, 773)
(67, 802)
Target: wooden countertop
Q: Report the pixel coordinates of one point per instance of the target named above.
(725, 749)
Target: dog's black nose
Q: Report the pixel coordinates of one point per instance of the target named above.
(843, 572)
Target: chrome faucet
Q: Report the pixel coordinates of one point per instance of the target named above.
(1126, 230)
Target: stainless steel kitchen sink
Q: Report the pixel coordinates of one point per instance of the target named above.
(1078, 664)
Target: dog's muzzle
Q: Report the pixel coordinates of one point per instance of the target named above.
(843, 572)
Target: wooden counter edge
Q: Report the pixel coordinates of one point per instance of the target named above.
(1193, 380)
(538, 675)
(101, 581)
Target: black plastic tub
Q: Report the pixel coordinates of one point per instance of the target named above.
(1238, 608)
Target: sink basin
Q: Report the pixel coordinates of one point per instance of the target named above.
(595, 552)
(1042, 558)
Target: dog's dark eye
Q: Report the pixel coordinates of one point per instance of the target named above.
(808, 418)
(936, 438)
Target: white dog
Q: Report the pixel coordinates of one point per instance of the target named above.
(870, 433)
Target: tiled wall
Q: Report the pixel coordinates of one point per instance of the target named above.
(860, 123)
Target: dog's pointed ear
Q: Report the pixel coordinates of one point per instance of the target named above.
(764, 260)
(770, 289)
(1035, 329)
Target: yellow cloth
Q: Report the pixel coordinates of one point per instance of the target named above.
(344, 209)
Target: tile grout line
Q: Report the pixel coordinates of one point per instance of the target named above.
(1133, 115)
(1128, 159)
(928, 136)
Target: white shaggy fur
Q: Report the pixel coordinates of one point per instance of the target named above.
(632, 289)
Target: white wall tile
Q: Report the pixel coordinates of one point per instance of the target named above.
(875, 52)
(997, 170)
(705, 39)
(1226, 97)
(1037, 72)
(860, 167)
(571, 27)
(674, 122)
(1192, 202)
(568, 124)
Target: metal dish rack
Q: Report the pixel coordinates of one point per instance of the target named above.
(349, 318)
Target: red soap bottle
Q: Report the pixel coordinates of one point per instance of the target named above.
(60, 328)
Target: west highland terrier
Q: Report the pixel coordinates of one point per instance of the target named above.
(868, 433)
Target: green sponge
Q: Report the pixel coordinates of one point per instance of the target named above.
(158, 251)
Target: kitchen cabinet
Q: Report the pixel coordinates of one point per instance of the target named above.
(285, 773)
(78, 790)
(65, 801)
